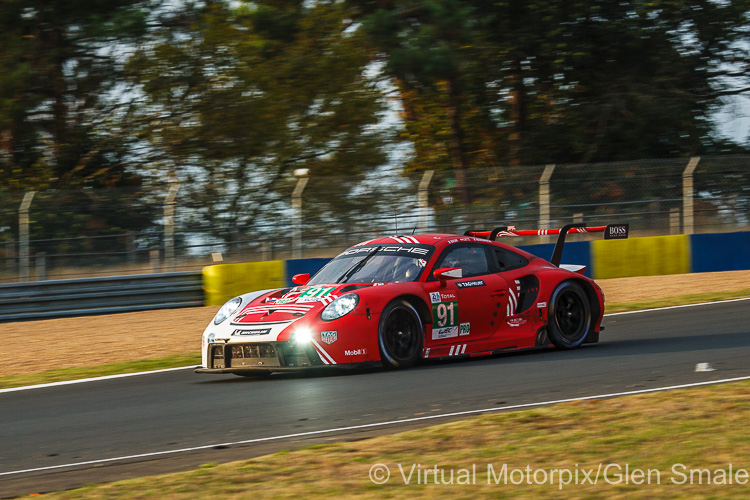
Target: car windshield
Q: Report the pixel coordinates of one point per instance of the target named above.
(376, 264)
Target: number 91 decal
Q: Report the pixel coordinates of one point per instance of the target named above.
(445, 319)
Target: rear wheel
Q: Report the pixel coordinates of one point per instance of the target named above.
(569, 315)
(400, 335)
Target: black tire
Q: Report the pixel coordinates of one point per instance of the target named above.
(569, 316)
(400, 335)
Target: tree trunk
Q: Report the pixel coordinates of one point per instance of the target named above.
(517, 113)
(457, 142)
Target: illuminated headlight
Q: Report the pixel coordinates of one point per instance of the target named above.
(340, 307)
(302, 336)
(227, 310)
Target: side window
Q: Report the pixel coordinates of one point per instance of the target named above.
(507, 260)
(472, 259)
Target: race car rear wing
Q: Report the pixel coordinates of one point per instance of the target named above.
(611, 232)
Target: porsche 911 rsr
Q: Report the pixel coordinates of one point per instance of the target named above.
(398, 299)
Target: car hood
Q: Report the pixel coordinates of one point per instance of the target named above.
(291, 304)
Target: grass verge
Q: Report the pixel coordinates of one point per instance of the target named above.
(679, 300)
(65, 374)
(676, 444)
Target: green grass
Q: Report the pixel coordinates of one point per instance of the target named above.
(66, 374)
(663, 434)
(695, 298)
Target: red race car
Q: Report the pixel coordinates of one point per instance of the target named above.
(398, 299)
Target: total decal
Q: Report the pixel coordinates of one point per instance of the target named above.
(444, 315)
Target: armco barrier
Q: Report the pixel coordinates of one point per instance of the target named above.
(102, 295)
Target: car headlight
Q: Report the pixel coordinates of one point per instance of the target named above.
(340, 307)
(227, 310)
(301, 336)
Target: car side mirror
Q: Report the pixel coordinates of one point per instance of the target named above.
(447, 272)
(301, 279)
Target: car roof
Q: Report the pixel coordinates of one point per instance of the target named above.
(439, 240)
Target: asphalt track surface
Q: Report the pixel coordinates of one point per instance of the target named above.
(44, 428)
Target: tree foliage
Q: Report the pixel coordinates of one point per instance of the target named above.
(526, 82)
(59, 69)
(62, 126)
(232, 97)
(237, 98)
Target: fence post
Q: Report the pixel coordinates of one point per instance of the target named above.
(130, 248)
(544, 196)
(674, 220)
(41, 266)
(302, 178)
(687, 195)
(169, 204)
(423, 201)
(153, 256)
(23, 236)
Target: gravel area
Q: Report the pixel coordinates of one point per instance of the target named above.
(35, 346)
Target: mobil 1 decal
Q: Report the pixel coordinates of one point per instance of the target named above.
(444, 315)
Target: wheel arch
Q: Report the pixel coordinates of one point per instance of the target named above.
(596, 309)
(424, 311)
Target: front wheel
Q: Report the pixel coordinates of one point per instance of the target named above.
(400, 335)
(569, 315)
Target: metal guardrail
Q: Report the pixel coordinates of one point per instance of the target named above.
(101, 295)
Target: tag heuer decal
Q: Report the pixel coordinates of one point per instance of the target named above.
(328, 337)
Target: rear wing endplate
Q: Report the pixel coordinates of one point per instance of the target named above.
(611, 232)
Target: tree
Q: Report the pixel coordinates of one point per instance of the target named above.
(63, 125)
(238, 98)
(59, 67)
(528, 82)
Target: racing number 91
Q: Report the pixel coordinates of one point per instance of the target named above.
(445, 314)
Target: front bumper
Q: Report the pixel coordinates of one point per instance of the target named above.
(259, 356)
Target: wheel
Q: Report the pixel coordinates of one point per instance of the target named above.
(569, 315)
(400, 335)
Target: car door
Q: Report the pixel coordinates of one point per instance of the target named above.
(523, 318)
(470, 307)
